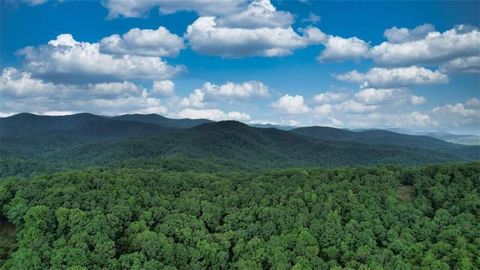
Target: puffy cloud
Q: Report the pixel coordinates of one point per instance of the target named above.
(393, 108)
(212, 114)
(462, 65)
(195, 99)
(230, 90)
(240, 90)
(352, 106)
(117, 8)
(21, 92)
(207, 37)
(466, 114)
(419, 119)
(65, 59)
(385, 77)
(401, 35)
(417, 100)
(370, 108)
(144, 42)
(330, 97)
(461, 109)
(323, 109)
(312, 18)
(338, 48)
(34, 2)
(291, 104)
(260, 13)
(162, 88)
(435, 47)
(387, 96)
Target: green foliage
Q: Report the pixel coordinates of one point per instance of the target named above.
(155, 215)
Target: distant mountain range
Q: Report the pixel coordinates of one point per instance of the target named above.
(81, 140)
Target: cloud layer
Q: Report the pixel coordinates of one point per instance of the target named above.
(64, 59)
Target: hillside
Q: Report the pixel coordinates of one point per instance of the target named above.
(384, 137)
(76, 141)
(161, 121)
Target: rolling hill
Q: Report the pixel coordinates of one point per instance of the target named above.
(82, 140)
(162, 121)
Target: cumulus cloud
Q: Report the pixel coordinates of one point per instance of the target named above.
(370, 107)
(143, 42)
(34, 2)
(21, 92)
(240, 90)
(460, 114)
(338, 49)
(388, 96)
(401, 35)
(392, 77)
(312, 18)
(162, 88)
(330, 97)
(291, 104)
(207, 37)
(195, 99)
(212, 114)
(64, 59)
(128, 9)
(462, 65)
(352, 106)
(434, 47)
(229, 90)
(259, 13)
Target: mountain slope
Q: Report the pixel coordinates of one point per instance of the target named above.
(384, 137)
(161, 121)
(253, 147)
(89, 140)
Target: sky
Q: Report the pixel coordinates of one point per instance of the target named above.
(412, 65)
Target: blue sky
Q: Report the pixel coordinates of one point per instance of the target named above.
(351, 64)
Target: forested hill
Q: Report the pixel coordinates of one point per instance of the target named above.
(32, 143)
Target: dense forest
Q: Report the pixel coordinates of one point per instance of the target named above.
(186, 215)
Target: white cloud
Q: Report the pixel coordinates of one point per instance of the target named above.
(65, 59)
(240, 90)
(461, 109)
(338, 48)
(352, 106)
(323, 109)
(34, 2)
(462, 65)
(195, 99)
(230, 90)
(369, 108)
(259, 13)
(312, 18)
(375, 96)
(117, 8)
(143, 42)
(435, 47)
(212, 114)
(162, 88)
(330, 97)
(21, 92)
(417, 100)
(466, 114)
(291, 104)
(401, 35)
(207, 37)
(384, 77)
